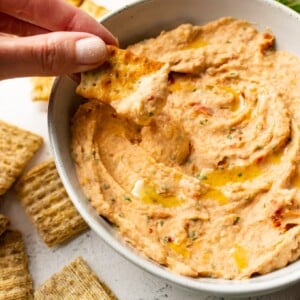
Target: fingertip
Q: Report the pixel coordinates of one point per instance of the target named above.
(113, 40)
(109, 38)
(90, 51)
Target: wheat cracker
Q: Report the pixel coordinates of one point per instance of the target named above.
(46, 202)
(17, 147)
(75, 281)
(15, 280)
(4, 222)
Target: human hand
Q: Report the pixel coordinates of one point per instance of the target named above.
(49, 37)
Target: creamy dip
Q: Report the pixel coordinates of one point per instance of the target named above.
(211, 187)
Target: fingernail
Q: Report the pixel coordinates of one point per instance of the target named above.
(90, 51)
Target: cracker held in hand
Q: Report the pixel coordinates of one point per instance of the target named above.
(75, 281)
(15, 280)
(17, 147)
(135, 86)
(4, 222)
(45, 200)
(41, 86)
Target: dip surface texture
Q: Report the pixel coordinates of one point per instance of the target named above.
(211, 187)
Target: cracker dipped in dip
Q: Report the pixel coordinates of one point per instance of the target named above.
(210, 185)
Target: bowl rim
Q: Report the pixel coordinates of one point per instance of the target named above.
(218, 287)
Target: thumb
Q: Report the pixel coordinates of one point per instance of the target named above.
(49, 54)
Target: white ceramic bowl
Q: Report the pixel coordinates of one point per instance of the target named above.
(130, 24)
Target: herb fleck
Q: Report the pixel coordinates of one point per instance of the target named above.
(203, 122)
(237, 219)
(161, 222)
(167, 239)
(233, 74)
(112, 200)
(189, 160)
(240, 174)
(229, 137)
(127, 198)
(258, 147)
(94, 153)
(202, 177)
(192, 235)
(106, 186)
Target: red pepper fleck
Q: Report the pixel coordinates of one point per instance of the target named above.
(171, 79)
(276, 218)
(289, 226)
(259, 159)
(200, 109)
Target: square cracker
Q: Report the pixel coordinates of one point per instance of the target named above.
(15, 280)
(46, 202)
(4, 222)
(41, 88)
(17, 147)
(74, 281)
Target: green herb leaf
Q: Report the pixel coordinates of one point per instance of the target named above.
(293, 4)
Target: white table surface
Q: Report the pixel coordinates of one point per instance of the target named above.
(125, 279)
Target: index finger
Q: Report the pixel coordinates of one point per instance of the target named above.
(56, 15)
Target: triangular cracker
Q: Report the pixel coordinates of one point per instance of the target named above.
(4, 222)
(46, 202)
(15, 280)
(135, 86)
(75, 281)
(17, 147)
